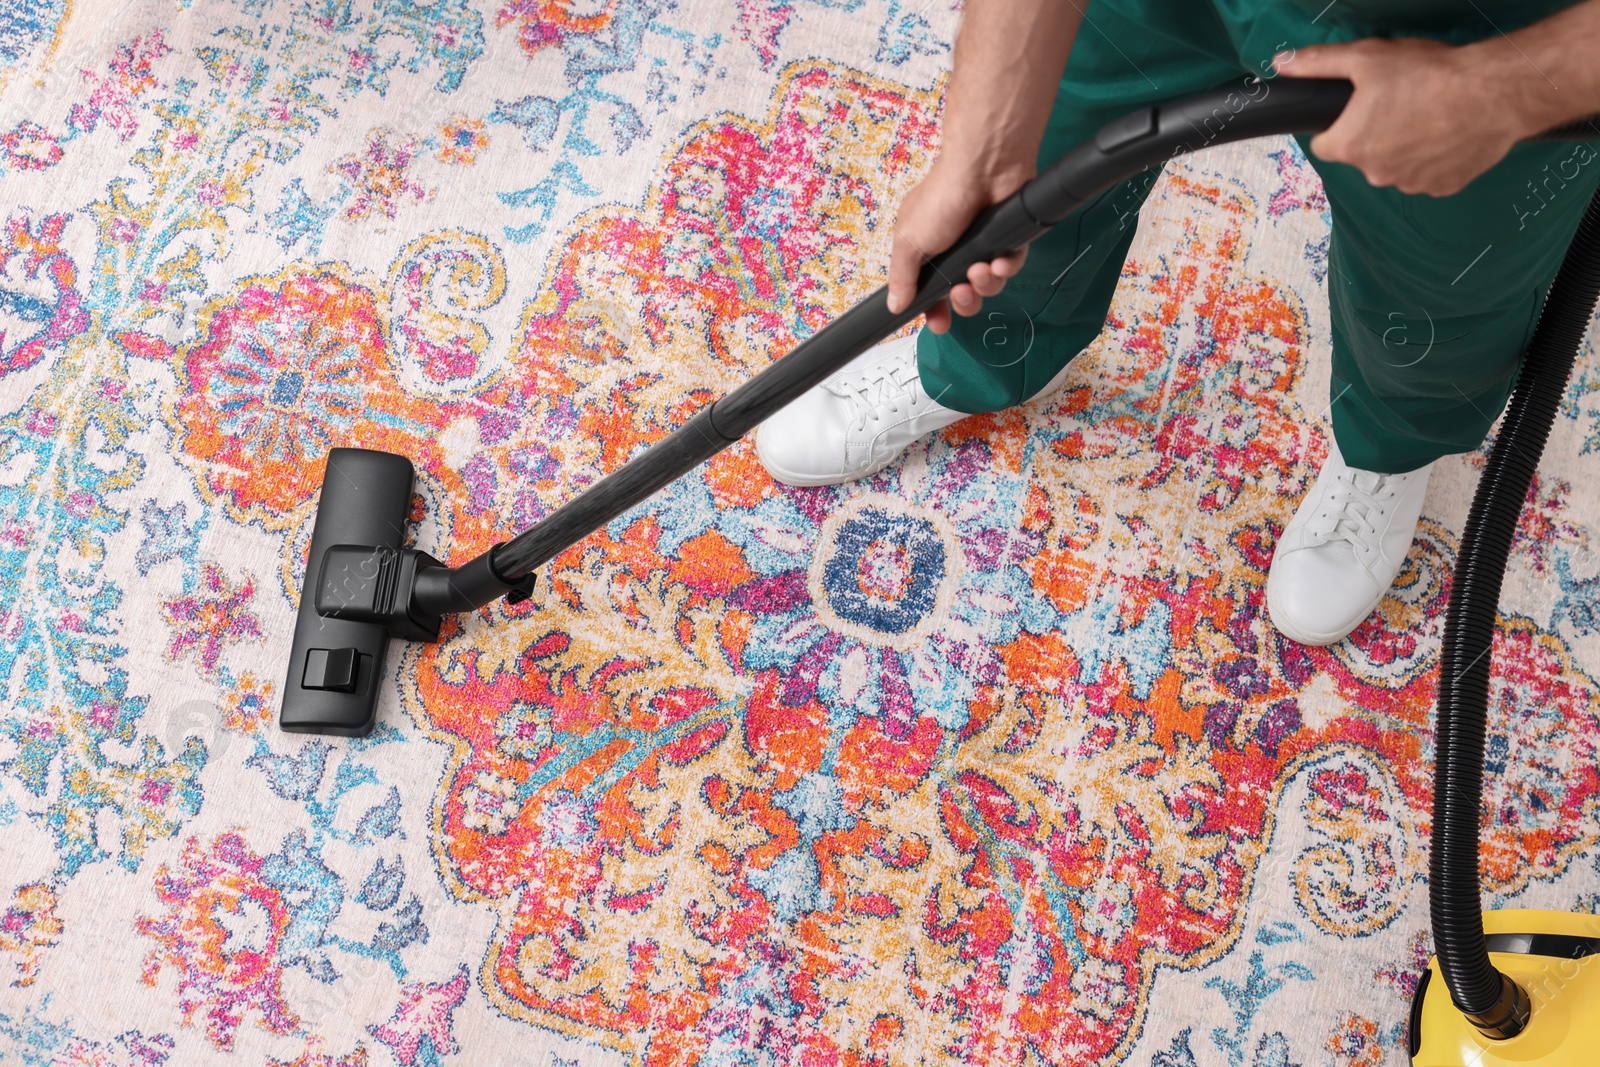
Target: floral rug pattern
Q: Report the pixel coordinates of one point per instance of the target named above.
(992, 758)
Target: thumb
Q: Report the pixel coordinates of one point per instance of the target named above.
(1313, 61)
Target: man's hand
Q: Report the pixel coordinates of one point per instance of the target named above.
(931, 217)
(1009, 56)
(1425, 117)
(1428, 117)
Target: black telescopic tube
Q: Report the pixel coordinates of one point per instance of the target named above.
(1490, 1000)
(1004, 227)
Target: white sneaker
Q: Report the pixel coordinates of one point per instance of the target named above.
(856, 422)
(1342, 550)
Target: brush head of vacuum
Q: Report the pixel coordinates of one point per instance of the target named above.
(1554, 957)
(362, 586)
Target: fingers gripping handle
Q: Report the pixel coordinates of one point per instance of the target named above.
(998, 231)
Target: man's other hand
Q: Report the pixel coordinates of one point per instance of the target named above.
(1425, 117)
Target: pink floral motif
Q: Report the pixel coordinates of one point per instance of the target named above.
(760, 24)
(206, 621)
(31, 147)
(378, 176)
(1301, 188)
(425, 1014)
(1406, 973)
(1543, 524)
(113, 95)
(221, 934)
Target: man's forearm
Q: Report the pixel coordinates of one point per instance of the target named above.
(1551, 69)
(1009, 56)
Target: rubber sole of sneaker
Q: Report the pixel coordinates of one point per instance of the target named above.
(786, 477)
(1307, 637)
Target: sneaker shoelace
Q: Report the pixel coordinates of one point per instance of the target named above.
(877, 390)
(1353, 509)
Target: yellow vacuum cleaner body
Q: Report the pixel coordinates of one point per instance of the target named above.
(1555, 957)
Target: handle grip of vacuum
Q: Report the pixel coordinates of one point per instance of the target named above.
(1151, 136)
(1124, 147)
(1142, 139)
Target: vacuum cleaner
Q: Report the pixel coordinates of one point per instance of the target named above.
(1523, 986)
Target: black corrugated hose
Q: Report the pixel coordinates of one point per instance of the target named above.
(1496, 1005)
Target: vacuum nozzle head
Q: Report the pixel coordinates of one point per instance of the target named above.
(363, 586)
(376, 583)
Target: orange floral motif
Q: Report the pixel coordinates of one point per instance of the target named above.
(248, 707)
(216, 614)
(225, 977)
(379, 176)
(285, 369)
(28, 926)
(547, 23)
(461, 139)
(1356, 1043)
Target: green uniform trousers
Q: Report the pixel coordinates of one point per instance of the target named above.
(1433, 300)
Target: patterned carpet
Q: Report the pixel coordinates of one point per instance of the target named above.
(991, 759)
